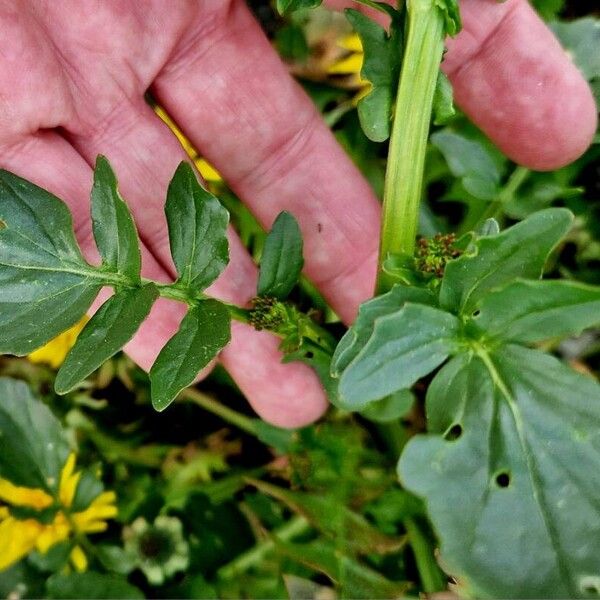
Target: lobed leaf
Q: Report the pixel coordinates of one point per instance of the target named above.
(113, 325)
(404, 346)
(197, 224)
(281, 262)
(113, 226)
(515, 449)
(381, 68)
(203, 333)
(33, 449)
(518, 252)
(533, 311)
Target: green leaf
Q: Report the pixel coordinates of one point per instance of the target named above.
(443, 103)
(515, 452)
(288, 6)
(381, 68)
(114, 229)
(46, 284)
(337, 521)
(197, 224)
(581, 39)
(91, 585)
(520, 251)
(404, 346)
(471, 161)
(203, 333)
(105, 334)
(533, 311)
(281, 261)
(358, 335)
(33, 449)
(354, 579)
(390, 408)
(452, 20)
(115, 559)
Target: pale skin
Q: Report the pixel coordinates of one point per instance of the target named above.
(72, 85)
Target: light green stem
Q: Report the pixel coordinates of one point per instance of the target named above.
(410, 130)
(432, 578)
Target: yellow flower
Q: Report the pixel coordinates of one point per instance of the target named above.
(18, 537)
(55, 351)
(208, 172)
(351, 65)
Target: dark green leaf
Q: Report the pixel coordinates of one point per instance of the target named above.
(114, 230)
(451, 12)
(88, 489)
(203, 333)
(281, 261)
(90, 585)
(510, 474)
(354, 579)
(533, 311)
(32, 447)
(54, 559)
(443, 104)
(46, 284)
(358, 335)
(105, 334)
(390, 408)
(471, 161)
(291, 42)
(381, 68)
(197, 224)
(115, 559)
(288, 6)
(405, 346)
(520, 251)
(581, 38)
(338, 522)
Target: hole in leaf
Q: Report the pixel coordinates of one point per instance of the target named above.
(590, 586)
(503, 479)
(309, 354)
(476, 313)
(454, 432)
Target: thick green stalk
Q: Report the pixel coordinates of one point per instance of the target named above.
(410, 130)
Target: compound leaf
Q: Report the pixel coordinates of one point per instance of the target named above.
(533, 311)
(203, 333)
(114, 230)
(520, 251)
(32, 447)
(381, 68)
(113, 325)
(404, 346)
(197, 224)
(46, 284)
(515, 451)
(281, 261)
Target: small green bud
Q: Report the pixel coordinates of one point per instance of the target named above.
(432, 255)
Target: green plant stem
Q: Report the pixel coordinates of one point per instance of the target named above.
(408, 141)
(240, 421)
(432, 578)
(494, 209)
(293, 528)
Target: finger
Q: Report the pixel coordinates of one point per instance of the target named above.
(51, 162)
(145, 155)
(235, 100)
(513, 79)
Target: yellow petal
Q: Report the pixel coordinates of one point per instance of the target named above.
(23, 496)
(208, 172)
(92, 519)
(79, 559)
(17, 539)
(58, 531)
(55, 351)
(347, 66)
(68, 481)
(351, 42)
(187, 145)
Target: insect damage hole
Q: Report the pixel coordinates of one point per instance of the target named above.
(503, 479)
(454, 432)
(590, 586)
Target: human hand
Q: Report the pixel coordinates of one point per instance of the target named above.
(72, 86)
